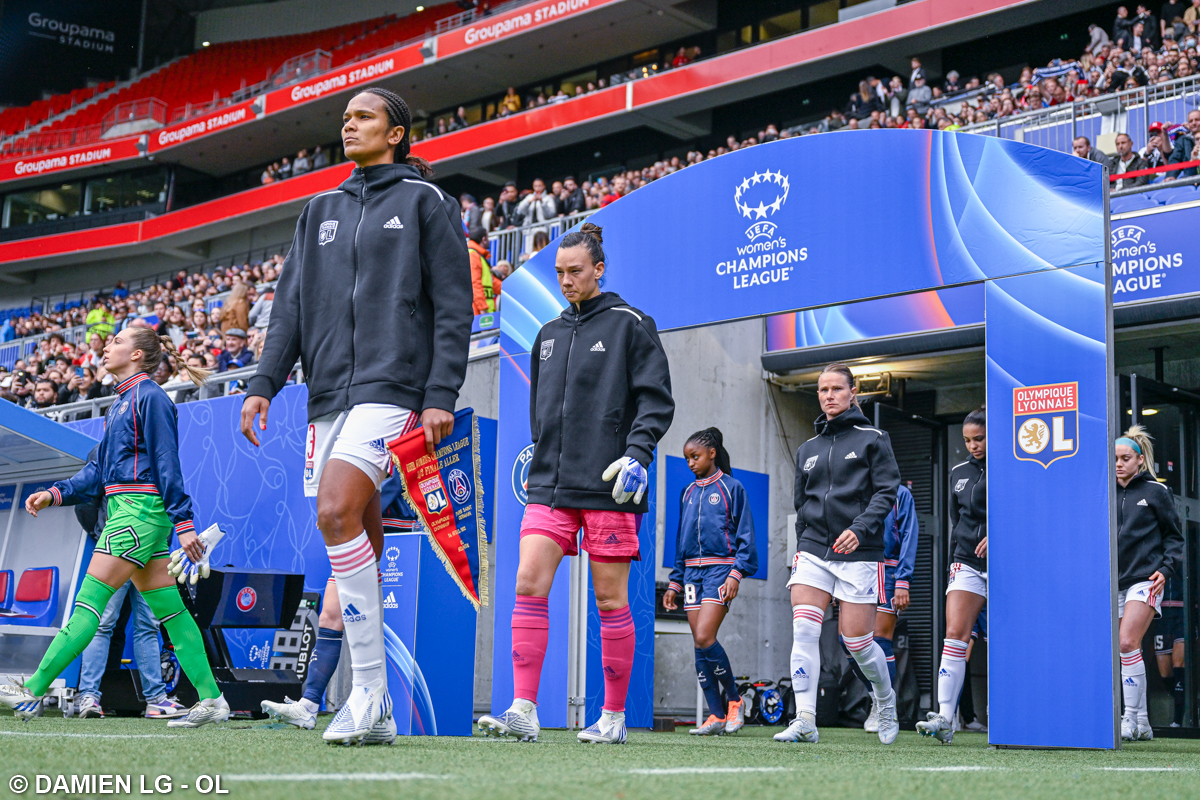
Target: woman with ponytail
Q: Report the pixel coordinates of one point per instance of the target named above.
(375, 301)
(137, 470)
(714, 550)
(1149, 552)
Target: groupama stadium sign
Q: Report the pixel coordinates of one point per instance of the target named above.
(502, 26)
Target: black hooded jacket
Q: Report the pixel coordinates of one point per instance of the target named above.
(846, 479)
(1149, 533)
(375, 297)
(968, 512)
(600, 389)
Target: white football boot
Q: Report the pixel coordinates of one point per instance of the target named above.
(609, 729)
(520, 721)
(24, 705)
(713, 726)
(735, 716)
(889, 728)
(1129, 729)
(355, 719)
(938, 727)
(871, 725)
(802, 729)
(202, 713)
(1144, 732)
(293, 712)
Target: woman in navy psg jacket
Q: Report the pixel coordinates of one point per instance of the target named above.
(1149, 551)
(600, 400)
(714, 550)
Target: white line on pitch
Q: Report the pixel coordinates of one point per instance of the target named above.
(339, 776)
(704, 770)
(1146, 769)
(96, 735)
(961, 768)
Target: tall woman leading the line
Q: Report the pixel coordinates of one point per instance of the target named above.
(600, 400)
(375, 300)
(137, 471)
(846, 483)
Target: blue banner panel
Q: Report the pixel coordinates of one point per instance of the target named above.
(1049, 492)
(758, 490)
(1156, 255)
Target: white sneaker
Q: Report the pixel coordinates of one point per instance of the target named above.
(609, 729)
(166, 708)
(713, 726)
(520, 720)
(802, 729)
(889, 728)
(293, 712)
(976, 727)
(355, 718)
(89, 707)
(1144, 732)
(735, 716)
(24, 705)
(938, 727)
(1129, 729)
(871, 725)
(202, 713)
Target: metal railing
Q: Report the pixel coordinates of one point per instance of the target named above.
(513, 243)
(20, 349)
(146, 109)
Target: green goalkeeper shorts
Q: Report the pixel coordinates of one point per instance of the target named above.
(137, 529)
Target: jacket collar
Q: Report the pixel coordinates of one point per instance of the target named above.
(592, 307)
(370, 181)
(716, 476)
(132, 381)
(842, 422)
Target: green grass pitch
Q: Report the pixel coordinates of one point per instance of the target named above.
(261, 760)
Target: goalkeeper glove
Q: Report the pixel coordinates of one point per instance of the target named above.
(631, 479)
(183, 568)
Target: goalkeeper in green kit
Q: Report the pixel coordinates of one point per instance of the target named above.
(137, 471)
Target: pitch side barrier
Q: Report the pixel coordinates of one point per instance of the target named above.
(1031, 226)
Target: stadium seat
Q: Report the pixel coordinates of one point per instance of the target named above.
(1133, 202)
(6, 589)
(36, 599)
(1178, 194)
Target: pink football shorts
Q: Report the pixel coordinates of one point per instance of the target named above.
(607, 535)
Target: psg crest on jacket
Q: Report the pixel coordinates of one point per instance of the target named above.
(1046, 422)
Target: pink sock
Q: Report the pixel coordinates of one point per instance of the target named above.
(530, 630)
(616, 653)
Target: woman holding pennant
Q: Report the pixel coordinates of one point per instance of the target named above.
(375, 300)
(600, 391)
(137, 470)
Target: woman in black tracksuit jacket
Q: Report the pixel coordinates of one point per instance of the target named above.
(966, 589)
(1149, 551)
(846, 483)
(600, 400)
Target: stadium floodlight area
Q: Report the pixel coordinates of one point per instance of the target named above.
(946, 210)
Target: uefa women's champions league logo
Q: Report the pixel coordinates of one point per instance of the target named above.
(773, 185)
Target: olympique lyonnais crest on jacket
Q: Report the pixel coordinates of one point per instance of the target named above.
(1046, 422)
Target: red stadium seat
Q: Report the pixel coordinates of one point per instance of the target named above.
(6, 588)
(36, 600)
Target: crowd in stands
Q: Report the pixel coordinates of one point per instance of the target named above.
(225, 337)
(302, 163)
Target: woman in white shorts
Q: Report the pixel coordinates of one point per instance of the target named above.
(1149, 551)
(846, 483)
(966, 590)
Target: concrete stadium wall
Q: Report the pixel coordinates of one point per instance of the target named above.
(260, 20)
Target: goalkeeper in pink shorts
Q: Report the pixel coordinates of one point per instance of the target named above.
(600, 392)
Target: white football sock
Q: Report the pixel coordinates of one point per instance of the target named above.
(806, 655)
(950, 677)
(359, 592)
(873, 662)
(1133, 685)
(309, 705)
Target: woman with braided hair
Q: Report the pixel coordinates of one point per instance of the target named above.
(714, 550)
(137, 470)
(375, 301)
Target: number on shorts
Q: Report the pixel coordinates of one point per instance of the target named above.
(689, 594)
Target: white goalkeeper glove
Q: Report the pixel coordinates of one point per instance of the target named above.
(182, 568)
(631, 479)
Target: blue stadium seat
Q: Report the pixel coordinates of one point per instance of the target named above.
(36, 599)
(1177, 194)
(1133, 202)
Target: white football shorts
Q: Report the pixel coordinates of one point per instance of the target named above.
(964, 578)
(848, 581)
(1140, 592)
(359, 437)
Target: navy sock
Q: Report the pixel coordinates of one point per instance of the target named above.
(1180, 693)
(322, 664)
(723, 671)
(706, 674)
(886, 646)
(854, 667)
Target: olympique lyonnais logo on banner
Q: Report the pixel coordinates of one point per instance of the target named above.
(440, 489)
(1046, 422)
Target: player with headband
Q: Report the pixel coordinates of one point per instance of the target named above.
(375, 300)
(600, 400)
(1149, 553)
(137, 470)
